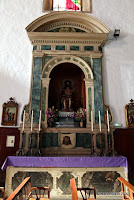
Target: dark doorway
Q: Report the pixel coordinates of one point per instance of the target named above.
(58, 76)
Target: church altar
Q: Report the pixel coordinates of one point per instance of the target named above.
(67, 75)
(56, 172)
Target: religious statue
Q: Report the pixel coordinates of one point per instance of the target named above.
(67, 96)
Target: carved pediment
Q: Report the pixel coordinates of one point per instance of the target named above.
(78, 21)
(67, 27)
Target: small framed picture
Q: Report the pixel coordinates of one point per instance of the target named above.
(10, 141)
(10, 112)
(129, 113)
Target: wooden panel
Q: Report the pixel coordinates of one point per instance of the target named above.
(124, 142)
(7, 151)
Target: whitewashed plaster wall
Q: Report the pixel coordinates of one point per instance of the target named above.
(16, 52)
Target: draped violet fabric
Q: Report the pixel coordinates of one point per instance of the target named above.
(119, 161)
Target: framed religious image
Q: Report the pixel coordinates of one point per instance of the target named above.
(129, 112)
(10, 112)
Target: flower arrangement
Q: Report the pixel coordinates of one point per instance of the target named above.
(51, 114)
(80, 115)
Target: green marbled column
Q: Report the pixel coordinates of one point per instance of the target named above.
(36, 88)
(98, 90)
(89, 102)
(43, 103)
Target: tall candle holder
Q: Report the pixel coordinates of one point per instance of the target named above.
(101, 146)
(101, 153)
(37, 151)
(30, 149)
(20, 152)
(110, 151)
(93, 153)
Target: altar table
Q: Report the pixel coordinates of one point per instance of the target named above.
(56, 172)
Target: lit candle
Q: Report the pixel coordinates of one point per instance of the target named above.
(32, 121)
(23, 121)
(108, 121)
(40, 121)
(91, 120)
(99, 120)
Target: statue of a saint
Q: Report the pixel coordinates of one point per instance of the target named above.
(67, 96)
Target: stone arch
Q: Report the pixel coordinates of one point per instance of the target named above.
(67, 59)
(79, 20)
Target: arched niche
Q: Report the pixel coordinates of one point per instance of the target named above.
(58, 76)
(87, 75)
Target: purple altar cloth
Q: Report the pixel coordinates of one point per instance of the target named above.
(16, 161)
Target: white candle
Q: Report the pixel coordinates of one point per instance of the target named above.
(108, 121)
(99, 120)
(40, 121)
(32, 121)
(91, 120)
(23, 121)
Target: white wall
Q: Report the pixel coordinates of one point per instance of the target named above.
(16, 51)
(118, 54)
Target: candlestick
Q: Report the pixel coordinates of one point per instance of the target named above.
(32, 121)
(99, 120)
(23, 121)
(40, 121)
(20, 152)
(108, 121)
(91, 120)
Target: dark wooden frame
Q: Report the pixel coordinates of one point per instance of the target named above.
(9, 118)
(129, 113)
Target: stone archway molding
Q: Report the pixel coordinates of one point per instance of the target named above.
(83, 21)
(67, 59)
